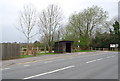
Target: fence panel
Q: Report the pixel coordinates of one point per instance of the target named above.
(10, 51)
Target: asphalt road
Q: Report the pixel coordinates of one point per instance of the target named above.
(95, 65)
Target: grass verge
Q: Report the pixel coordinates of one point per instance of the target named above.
(41, 54)
(86, 51)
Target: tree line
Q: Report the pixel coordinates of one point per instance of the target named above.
(89, 26)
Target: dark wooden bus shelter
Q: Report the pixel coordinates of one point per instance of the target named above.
(63, 47)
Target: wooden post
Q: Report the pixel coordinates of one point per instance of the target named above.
(103, 49)
(32, 50)
(45, 49)
(95, 48)
(37, 50)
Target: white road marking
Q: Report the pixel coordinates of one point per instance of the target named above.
(108, 57)
(70, 58)
(91, 61)
(48, 61)
(113, 56)
(85, 56)
(26, 65)
(92, 55)
(5, 68)
(61, 59)
(100, 59)
(49, 72)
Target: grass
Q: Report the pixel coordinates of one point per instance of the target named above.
(49, 53)
(41, 54)
(85, 51)
(115, 50)
(25, 56)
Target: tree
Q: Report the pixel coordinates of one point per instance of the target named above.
(103, 40)
(49, 24)
(27, 21)
(116, 32)
(116, 28)
(85, 23)
(38, 44)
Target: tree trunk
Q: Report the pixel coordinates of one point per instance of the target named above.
(27, 46)
(50, 49)
(27, 49)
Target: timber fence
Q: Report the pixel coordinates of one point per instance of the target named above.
(10, 51)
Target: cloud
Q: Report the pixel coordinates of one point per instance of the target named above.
(9, 10)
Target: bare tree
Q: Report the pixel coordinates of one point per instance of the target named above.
(27, 21)
(49, 22)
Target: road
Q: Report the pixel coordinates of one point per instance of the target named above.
(93, 65)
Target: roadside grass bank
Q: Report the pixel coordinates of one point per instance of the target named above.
(41, 54)
(86, 51)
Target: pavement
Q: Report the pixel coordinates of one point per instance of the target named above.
(6, 63)
(85, 65)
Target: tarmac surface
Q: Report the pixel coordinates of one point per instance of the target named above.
(83, 65)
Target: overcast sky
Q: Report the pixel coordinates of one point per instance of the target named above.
(9, 10)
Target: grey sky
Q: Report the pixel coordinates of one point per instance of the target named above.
(9, 10)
